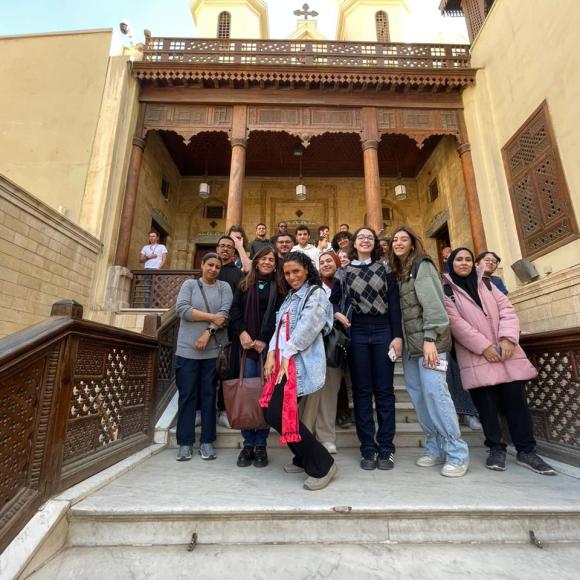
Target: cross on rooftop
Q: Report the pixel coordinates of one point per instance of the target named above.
(306, 12)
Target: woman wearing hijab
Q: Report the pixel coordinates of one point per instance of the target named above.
(493, 366)
(252, 320)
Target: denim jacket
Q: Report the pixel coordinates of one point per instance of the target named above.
(308, 322)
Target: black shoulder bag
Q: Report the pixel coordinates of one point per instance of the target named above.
(222, 363)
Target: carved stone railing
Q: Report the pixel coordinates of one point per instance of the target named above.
(75, 397)
(157, 288)
(554, 396)
(299, 53)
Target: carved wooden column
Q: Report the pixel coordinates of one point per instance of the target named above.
(370, 145)
(129, 203)
(239, 143)
(471, 195)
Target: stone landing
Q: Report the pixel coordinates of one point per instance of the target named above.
(260, 523)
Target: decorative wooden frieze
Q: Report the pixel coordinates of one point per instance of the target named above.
(419, 124)
(304, 122)
(539, 193)
(187, 120)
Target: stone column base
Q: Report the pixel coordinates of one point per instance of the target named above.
(118, 292)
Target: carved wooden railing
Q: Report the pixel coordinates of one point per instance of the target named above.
(165, 329)
(554, 396)
(158, 288)
(75, 397)
(301, 53)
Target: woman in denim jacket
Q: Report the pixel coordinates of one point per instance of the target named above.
(296, 366)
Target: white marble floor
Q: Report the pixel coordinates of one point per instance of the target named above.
(300, 562)
(162, 485)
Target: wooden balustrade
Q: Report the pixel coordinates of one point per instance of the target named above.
(554, 396)
(158, 288)
(301, 53)
(75, 397)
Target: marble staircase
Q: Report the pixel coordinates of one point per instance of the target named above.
(210, 519)
(409, 433)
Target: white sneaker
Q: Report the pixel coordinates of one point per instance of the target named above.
(428, 461)
(453, 470)
(222, 420)
(473, 423)
(197, 418)
(330, 447)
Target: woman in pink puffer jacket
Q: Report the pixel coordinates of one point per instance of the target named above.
(494, 368)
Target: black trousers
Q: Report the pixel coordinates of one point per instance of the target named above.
(309, 454)
(509, 399)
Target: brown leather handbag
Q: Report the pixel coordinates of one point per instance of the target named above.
(241, 398)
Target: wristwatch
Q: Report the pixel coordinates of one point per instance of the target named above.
(211, 331)
(428, 339)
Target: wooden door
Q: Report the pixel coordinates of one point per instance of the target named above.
(200, 252)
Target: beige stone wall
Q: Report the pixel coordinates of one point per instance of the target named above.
(151, 204)
(522, 65)
(249, 18)
(49, 108)
(330, 201)
(518, 70)
(445, 166)
(551, 303)
(45, 257)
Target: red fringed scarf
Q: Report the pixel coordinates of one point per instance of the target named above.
(290, 422)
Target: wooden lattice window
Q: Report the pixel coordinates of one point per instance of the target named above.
(539, 194)
(224, 25)
(382, 25)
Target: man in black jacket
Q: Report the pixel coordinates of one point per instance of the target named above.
(229, 273)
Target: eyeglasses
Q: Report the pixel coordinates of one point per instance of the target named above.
(494, 262)
(226, 247)
(285, 242)
(362, 238)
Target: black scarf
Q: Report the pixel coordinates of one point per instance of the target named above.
(469, 283)
(252, 311)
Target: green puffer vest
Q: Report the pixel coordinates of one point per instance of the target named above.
(412, 314)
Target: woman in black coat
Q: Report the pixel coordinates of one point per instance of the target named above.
(252, 322)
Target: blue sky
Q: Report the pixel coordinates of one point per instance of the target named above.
(166, 17)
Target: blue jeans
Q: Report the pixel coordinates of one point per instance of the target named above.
(195, 378)
(254, 437)
(372, 376)
(435, 411)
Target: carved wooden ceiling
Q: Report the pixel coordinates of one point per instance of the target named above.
(272, 154)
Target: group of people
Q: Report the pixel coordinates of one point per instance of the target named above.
(278, 302)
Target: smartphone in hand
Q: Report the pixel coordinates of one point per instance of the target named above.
(392, 354)
(442, 366)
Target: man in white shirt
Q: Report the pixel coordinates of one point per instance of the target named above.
(304, 245)
(153, 254)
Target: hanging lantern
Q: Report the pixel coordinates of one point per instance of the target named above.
(400, 192)
(301, 192)
(204, 190)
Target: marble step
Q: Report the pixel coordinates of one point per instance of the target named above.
(407, 435)
(304, 562)
(163, 503)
